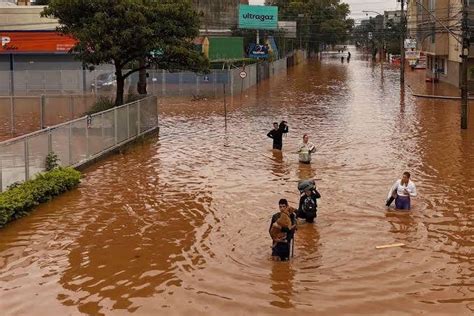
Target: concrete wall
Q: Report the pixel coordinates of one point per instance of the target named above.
(453, 73)
(24, 18)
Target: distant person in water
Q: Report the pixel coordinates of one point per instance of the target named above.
(277, 134)
(306, 149)
(402, 191)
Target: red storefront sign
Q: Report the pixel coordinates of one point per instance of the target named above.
(35, 42)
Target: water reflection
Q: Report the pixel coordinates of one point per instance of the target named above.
(282, 278)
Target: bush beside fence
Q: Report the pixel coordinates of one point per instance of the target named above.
(76, 142)
(19, 200)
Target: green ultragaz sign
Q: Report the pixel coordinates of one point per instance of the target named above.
(258, 17)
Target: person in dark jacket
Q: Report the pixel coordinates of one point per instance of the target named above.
(281, 248)
(277, 134)
(308, 207)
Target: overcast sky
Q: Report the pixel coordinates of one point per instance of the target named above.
(358, 5)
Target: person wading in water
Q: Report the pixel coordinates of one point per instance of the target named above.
(308, 205)
(306, 149)
(277, 134)
(282, 230)
(402, 191)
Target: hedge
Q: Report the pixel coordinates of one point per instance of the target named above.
(20, 199)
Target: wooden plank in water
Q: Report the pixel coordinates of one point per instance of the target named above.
(390, 246)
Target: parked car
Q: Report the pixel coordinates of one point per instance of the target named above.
(105, 81)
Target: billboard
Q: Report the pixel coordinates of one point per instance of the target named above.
(258, 17)
(35, 42)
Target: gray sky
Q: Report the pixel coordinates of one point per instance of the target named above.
(358, 5)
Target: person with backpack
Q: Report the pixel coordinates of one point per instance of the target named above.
(277, 134)
(308, 206)
(282, 231)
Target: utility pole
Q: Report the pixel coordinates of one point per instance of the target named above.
(464, 57)
(402, 42)
(464, 42)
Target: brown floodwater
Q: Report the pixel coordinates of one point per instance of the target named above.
(179, 224)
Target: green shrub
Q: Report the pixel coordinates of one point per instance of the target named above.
(51, 161)
(102, 104)
(19, 200)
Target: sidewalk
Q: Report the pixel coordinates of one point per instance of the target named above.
(415, 81)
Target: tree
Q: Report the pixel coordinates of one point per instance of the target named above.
(131, 34)
(319, 21)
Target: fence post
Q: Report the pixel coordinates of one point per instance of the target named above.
(71, 107)
(163, 82)
(115, 126)
(128, 121)
(70, 144)
(156, 100)
(215, 74)
(139, 118)
(27, 160)
(231, 81)
(12, 114)
(44, 82)
(42, 101)
(27, 78)
(102, 131)
(87, 135)
(197, 85)
(61, 81)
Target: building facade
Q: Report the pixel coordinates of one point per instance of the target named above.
(436, 26)
(219, 17)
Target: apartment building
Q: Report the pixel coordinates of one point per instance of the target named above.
(425, 20)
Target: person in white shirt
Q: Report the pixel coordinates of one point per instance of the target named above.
(306, 149)
(402, 191)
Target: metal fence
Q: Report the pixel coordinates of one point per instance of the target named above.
(76, 142)
(20, 115)
(101, 82)
(63, 82)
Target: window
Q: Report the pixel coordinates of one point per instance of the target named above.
(432, 5)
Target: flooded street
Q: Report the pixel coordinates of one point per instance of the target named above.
(179, 224)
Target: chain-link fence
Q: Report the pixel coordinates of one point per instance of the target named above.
(20, 115)
(76, 142)
(102, 82)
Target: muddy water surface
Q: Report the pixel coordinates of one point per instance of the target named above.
(179, 224)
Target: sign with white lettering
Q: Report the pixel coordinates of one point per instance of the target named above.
(289, 27)
(258, 17)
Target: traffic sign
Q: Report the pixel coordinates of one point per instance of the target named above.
(243, 74)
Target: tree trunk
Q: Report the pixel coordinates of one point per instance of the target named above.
(141, 85)
(120, 86)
